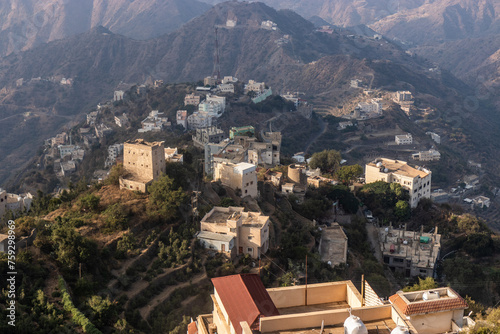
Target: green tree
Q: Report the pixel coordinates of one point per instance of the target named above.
(115, 173)
(227, 202)
(347, 174)
(116, 218)
(103, 309)
(423, 284)
(402, 210)
(164, 200)
(328, 161)
(71, 248)
(89, 202)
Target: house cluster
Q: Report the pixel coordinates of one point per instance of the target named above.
(209, 109)
(63, 153)
(242, 305)
(144, 162)
(156, 121)
(57, 79)
(233, 160)
(14, 203)
(416, 180)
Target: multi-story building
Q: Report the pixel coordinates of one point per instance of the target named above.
(248, 232)
(403, 96)
(416, 180)
(65, 150)
(213, 105)
(14, 203)
(242, 176)
(181, 118)
(242, 305)
(118, 95)
(406, 139)
(199, 120)
(263, 154)
(229, 79)
(225, 88)
(191, 99)
(254, 86)
(207, 135)
(114, 151)
(143, 163)
(122, 121)
(410, 253)
(435, 137)
(430, 155)
(209, 81)
(374, 106)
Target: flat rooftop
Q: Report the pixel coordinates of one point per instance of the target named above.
(384, 326)
(333, 244)
(399, 167)
(221, 215)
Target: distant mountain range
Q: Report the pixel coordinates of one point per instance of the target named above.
(28, 23)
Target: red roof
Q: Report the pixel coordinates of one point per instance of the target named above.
(428, 306)
(192, 328)
(244, 298)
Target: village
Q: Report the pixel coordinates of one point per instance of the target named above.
(248, 161)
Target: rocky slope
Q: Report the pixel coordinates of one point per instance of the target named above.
(28, 23)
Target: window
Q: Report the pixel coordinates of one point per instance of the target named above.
(250, 237)
(251, 182)
(246, 191)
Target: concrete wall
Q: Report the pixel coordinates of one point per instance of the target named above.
(433, 323)
(133, 185)
(315, 319)
(316, 294)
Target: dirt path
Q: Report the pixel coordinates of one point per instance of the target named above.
(373, 238)
(146, 310)
(324, 127)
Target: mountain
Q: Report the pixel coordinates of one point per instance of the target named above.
(344, 13)
(28, 23)
(293, 57)
(443, 20)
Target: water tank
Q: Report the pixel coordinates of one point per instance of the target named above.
(385, 170)
(379, 164)
(400, 330)
(430, 295)
(354, 325)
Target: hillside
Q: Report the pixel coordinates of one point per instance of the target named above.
(29, 23)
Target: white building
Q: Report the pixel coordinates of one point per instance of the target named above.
(344, 125)
(114, 151)
(226, 88)
(435, 137)
(14, 202)
(172, 155)
(406, 139)
(374, 106)
(118, 95)
(430, 155)
(481, 201)
(416, 180)
(66, 150)
(198, 120)
(122, 121)
(231, 23)
(154, 122)
(229, 79)
(92, 117)
(269, 25)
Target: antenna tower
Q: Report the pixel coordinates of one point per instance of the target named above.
(216, 72)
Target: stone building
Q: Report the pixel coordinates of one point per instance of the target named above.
(143, 163)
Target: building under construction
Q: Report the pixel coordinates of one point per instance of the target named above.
(410, 253)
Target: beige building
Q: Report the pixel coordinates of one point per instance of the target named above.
(241, 176)
(254, 86)
(143, 162)
(236, 231)
(242, 305)
(172, 155)
(403, 96)
(14, 202)
(416, 180)
(192, 99)
(265, 154)
(430, 155)
(406, 139)
(410, 253)
(433, 311)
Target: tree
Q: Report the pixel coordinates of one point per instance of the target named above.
(328, 161)
(89, 202)
(71, 248)
(423, 284)
(115, 173)
(163, 199)
(402, 210)
(347, 174)
(103, 309)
